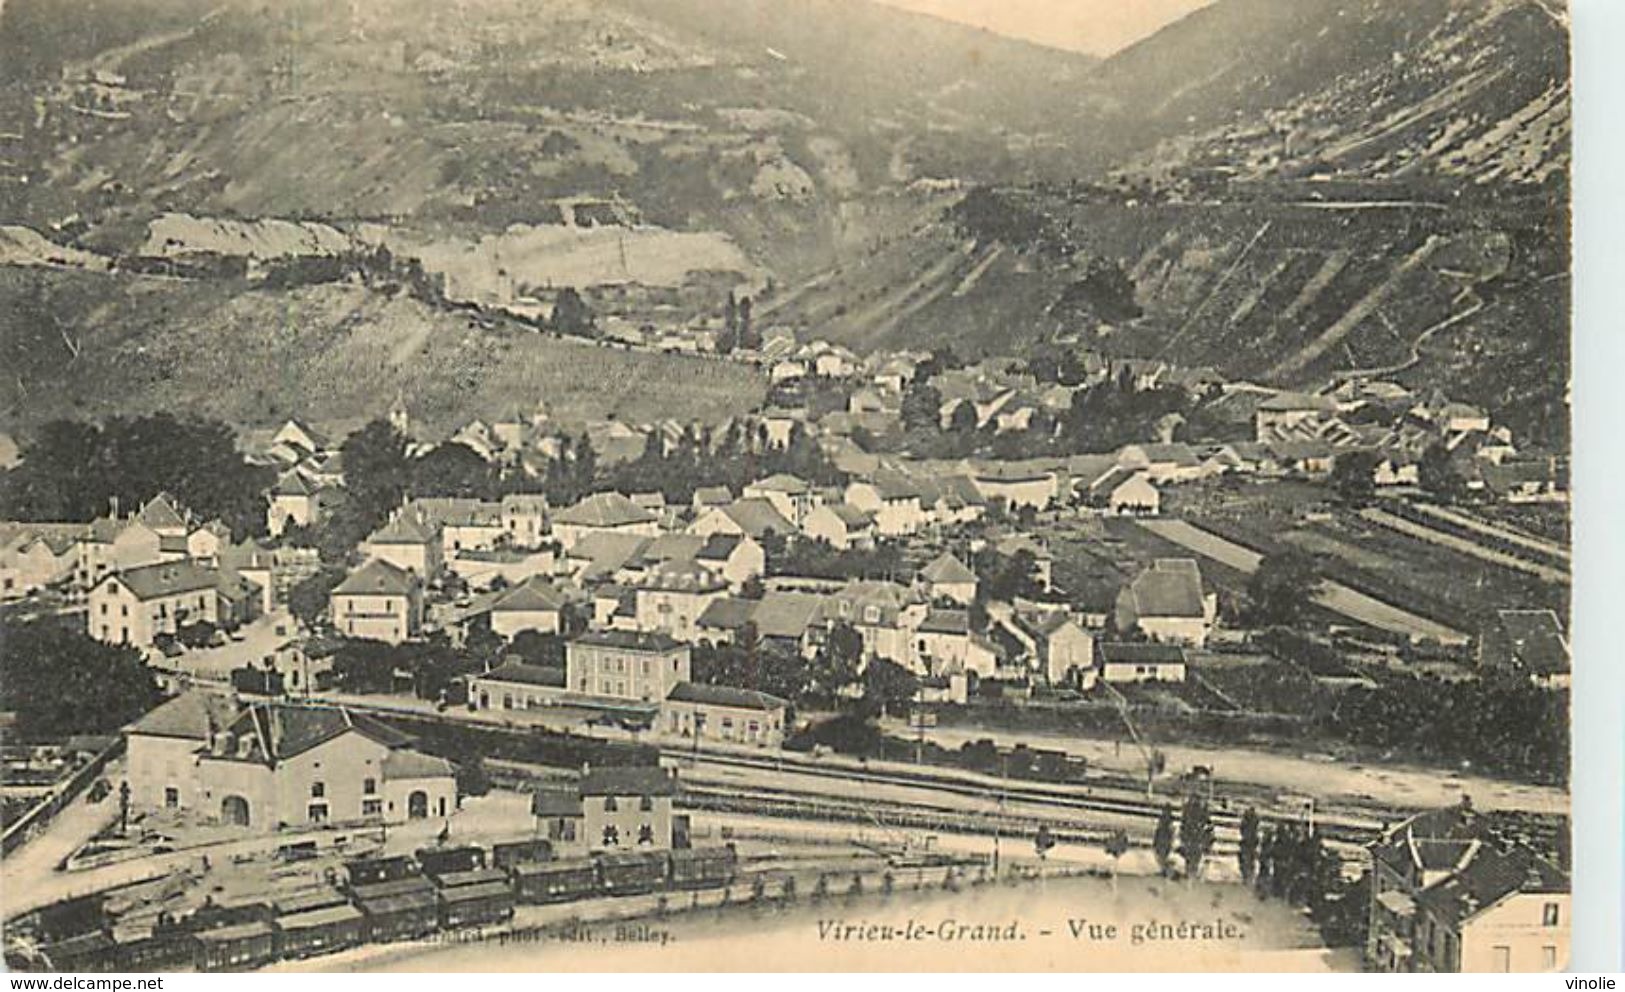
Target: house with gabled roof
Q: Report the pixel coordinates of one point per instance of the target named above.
(791, 496)
(294, 500)
(137, 605)
(537, 604)
(36, 556)
(946, 577)
(1120, 662)
(753, 518)
(841, 525)
(893, 498)
(408, 541)
(296, 441)
(1528, 643)
(379, 601)
(1168, 603)
(272, 766)
(1456, 890)
(603, 513)
(1288, 411)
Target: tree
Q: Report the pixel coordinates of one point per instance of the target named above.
(1436, 473)
(60, 682)
(1354, 477)
(835, 666)
(1162, 841)
(376, 472)
(921, 407)
(1116, 846)
(452, 469)
(308, 598)
(472, 778)
(963, 420)
(1247, 852)
(571, 314)
(1279, 593)
(1195, 835)
(888, 686)
(1043, 841)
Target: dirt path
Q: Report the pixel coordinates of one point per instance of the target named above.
(1362, 308)
(1333, 596)
(1454, 543)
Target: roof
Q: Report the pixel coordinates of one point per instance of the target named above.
(535, 595)
(628, 640)
(404, 763)
(726, 613)
(945, 622)
(279, 731)
(713, 496)
(458, 512)
(788, 614)
(1289, 401)
(604, 510)
(1171, 587)
(162, 512)
(681, 576)
(717, 547)
(521, 673)
(946, 569)
(405, 528)
(628, 780)
(757, 517)
(549, 801)
(783, 482)
(377, 578)
(1113, 653)
(192, 714)
(292, 483)
(1534, 640)
(724, 695)
(850, 516)
(893, 485)
(170, 578)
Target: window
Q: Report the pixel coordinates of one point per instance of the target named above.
(369, 786)
(1548, 958)
(372, 807)
(124, 610)
(1502, 956)
(104, 609)
(646, 804)
(317, 813)
(318, 790)
(1548, 915)
(609, 804)
(612, 836)
(172, 797)
(646, 834)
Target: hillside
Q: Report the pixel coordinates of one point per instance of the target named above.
(1410, 221)
(87, 345)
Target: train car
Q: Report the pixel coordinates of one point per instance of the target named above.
(474, 898)
(446, 860)
(93, 951)
(632, 873)
(319, 921)
(554, 881)
(505, 856)
(703, 868)
(236, 946)
(403, 909)
(158, 950)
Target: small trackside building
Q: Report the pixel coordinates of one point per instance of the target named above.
(724, 714)
(1142, 662)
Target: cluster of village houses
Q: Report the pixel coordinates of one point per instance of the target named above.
(654, 580)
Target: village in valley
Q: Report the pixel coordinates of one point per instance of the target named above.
(661, 595)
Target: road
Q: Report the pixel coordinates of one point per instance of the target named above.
(1333, 596)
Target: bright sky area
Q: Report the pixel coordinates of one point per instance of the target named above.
(1098, 27)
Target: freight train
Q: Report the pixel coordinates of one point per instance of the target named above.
(376, 900)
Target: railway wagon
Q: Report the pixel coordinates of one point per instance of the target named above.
(703, 868)
(505, 856)
(236, 946)
(317, 922)
(161, 950)
(475, 897)
(554, 881)
(93, 951)
(403, 909)
(632, 873)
